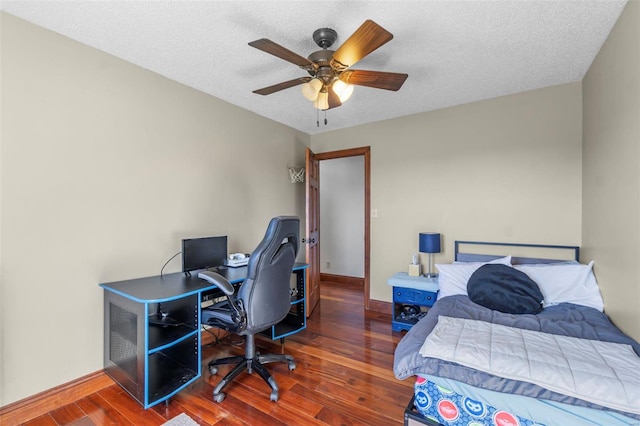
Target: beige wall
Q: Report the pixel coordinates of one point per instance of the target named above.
(505, 169)
(611, 185)
(105, 168)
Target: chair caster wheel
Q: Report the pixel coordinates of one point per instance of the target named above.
(219, 397)
(213, 370)
(292, 366)
(274, 396)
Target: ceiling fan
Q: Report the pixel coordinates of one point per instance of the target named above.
(331, 79)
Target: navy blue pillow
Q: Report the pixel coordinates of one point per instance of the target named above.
(504, 289)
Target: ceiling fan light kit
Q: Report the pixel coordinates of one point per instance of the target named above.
(322, 101)
(332, 80)
(343, 90)
(311, 89)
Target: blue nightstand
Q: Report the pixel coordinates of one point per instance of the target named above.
(410, 295)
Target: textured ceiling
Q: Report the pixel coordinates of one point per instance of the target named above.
(455, 52)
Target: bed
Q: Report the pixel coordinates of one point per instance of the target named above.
(519, 340)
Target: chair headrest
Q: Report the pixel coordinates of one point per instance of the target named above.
(281, 229)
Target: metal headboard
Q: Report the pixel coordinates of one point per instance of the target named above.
(550, 253)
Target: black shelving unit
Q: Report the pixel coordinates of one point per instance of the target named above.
(153, 361)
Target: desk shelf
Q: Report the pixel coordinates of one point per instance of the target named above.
(293, 322)
(296, 319)
(173, 368)
(162, 336)
(151, 362)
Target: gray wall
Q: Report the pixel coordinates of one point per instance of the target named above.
(611, 184)
(105, 168)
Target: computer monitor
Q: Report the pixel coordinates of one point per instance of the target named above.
(202, 253)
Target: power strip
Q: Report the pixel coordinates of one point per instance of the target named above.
(213, 301)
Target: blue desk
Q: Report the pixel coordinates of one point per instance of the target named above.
(154, 358)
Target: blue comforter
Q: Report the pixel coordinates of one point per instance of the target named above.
(565, 319)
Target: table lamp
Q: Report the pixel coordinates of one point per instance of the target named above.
(429, 242)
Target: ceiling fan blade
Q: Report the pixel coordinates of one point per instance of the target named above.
(377, 79)
(332, 98)
(281, 86)
(281, 52)
(363, 41)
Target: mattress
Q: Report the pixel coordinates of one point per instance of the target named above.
(451, 402)
(563, 319)
(442, 405)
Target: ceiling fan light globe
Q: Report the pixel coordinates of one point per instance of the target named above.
(343, 90)
(311, 88)
(322, 102)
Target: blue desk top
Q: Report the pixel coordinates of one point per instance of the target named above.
(402, 279)
(170, 286)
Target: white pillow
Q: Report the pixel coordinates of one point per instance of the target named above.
(453, 277)
(570, 283)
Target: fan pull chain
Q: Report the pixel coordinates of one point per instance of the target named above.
(318, 117)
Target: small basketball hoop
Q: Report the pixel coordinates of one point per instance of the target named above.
(296, 174)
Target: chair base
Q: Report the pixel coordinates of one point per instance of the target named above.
(256, 363)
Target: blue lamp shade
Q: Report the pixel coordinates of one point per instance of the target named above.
(429, 242)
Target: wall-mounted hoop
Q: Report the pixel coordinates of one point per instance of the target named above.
(296, 174)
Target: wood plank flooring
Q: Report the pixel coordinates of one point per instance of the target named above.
(344, 376)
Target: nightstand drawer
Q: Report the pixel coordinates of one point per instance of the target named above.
(411, 295)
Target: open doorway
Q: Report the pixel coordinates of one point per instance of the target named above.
(313, 220)
(342, 230)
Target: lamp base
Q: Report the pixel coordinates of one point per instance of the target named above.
(430, 275)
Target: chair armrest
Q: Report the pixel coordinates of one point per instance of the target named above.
(239, 316)
(218, 280)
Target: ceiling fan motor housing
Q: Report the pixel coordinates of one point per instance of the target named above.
(324, 71)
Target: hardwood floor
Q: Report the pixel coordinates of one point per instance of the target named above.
(344, 376)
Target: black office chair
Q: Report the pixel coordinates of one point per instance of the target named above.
(262, 300)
